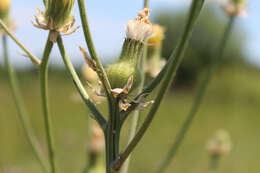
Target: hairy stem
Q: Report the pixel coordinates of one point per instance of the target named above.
(198, 98)
(93, 109)
(45, 103)
(33, 58)
(21, 109)
(170, 73)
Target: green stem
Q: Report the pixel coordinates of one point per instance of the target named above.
(170, 73)
(21, 110)
(146, 3)
(33, 58)
(198, 98)
(135, 117)
(98, 116)
(214, 163)
(45, 103)
(101, 72)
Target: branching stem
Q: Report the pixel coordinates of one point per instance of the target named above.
(198, 98)
(33, 58)
(174, 63)
(93, 109)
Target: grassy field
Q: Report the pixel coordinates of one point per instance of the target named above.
(232, 102)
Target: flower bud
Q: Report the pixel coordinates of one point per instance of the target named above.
(56, 18)
(137, 32)
(4, 9)
(59, 12)
(220, 144)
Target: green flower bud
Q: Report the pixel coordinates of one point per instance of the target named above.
(59, 12)
(127, 65)
(4, 9)
(137, 33)
(57, 18)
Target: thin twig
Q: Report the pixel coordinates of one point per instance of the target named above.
(198, 98)
(21, 110)
(98, 116)
(33, 58)
(45, 103)
(170, 73)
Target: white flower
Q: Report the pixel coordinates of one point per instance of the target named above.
(140, 28)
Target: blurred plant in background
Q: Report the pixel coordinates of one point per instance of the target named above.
(201, 48)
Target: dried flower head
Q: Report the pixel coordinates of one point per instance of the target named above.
(4, 9)
(140, 28)
(220, 144)
(234, 7)
(57, 18)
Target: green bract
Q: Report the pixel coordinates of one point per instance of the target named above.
(59, 12)
(127, 65)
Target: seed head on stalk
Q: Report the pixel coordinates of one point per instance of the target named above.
(234, 7)
(57, 17)
(220, 144)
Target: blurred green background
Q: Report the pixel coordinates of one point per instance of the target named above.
(232, 103)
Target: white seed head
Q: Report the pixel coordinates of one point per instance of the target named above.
(220, 143)
(140, 28)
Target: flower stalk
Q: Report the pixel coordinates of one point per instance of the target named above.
(174, 63)
(21, 109)
(199, 97)
(45, 103)
(88, 38)
(95, 112)
(33, 58)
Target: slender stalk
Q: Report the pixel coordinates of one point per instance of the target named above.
(214, 163)
(21, 109)
(170, 73)
(146, 3)
(198, 98)
(135, 117)
(45, 103)
(33, 58)
(101, 72)
(97, 115)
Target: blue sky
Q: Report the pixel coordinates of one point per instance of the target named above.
(107, 20)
